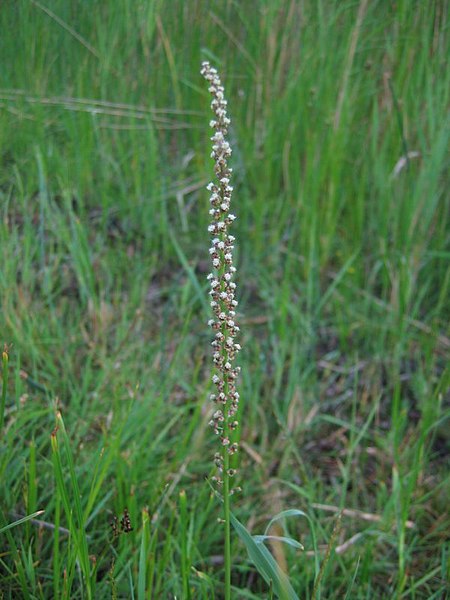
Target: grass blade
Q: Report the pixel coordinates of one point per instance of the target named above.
(266, 565)
(22, 520)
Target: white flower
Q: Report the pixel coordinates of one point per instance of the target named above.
(222, 287)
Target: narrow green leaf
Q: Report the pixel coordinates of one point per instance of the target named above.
(142, 577)
(261, 539)
(22, 520)
(265, 563)
(189, 271)
(291, 512)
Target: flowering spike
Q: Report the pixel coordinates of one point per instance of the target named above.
(223, 289)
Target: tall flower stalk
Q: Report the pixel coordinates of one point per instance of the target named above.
(223, 304)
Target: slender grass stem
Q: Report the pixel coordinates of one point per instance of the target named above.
(226, 524)
(4, 387)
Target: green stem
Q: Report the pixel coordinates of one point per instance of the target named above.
(226, 516)
(4, 386)
(226, 460)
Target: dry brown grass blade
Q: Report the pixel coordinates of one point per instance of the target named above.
(356, 514)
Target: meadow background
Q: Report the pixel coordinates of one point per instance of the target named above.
(343, 281)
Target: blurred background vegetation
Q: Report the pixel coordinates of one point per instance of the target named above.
(340, 154)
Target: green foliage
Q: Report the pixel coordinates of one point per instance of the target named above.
(263, 560)
(265, 563)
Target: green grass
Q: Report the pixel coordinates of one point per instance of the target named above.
(343, 277)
